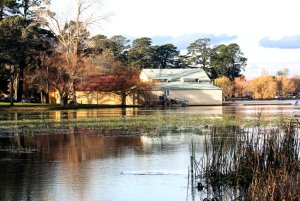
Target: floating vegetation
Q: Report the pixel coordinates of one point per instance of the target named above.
(249, 163)
(174, 123)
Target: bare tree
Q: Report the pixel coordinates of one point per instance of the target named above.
(54, 74)
(125, 78)
(72, 36)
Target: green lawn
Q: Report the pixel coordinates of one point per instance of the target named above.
(42, 106)
(7, 104)
(26, 106)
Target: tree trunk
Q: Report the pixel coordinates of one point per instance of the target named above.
(46, 97)
(63, 99)
(47, 92)
(73, 93)
(123, 97)
(41, 97)
(20, 84)
(12, 91)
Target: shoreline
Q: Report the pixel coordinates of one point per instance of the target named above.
(43, 107)
(39, 107)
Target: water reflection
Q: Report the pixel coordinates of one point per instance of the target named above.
(266, 111)
(94, 167)
(239, 111)
(81, 164)
(73, 148)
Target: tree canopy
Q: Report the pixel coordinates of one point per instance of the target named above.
(34, 42)
(228, 60)
(200, 52)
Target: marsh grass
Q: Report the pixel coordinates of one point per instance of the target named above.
(251, 163)
(147, 124)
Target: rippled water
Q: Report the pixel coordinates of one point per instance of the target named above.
(88, 166)
(242, 109)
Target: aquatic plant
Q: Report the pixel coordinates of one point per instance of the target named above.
(172, 123)
(251, 164)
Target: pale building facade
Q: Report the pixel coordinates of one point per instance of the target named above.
(191, 84)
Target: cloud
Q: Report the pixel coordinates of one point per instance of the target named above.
(287, 42)
(183, 41)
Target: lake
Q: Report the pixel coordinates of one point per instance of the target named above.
(83, 165)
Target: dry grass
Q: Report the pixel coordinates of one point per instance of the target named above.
(252, 164)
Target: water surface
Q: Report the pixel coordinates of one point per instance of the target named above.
(84, 165)
(91, 167)
(241, 109)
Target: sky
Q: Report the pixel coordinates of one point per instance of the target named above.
(267, 31)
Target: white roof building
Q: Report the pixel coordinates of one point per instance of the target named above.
(191, 84)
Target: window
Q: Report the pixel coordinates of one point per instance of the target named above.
(160, 80)
(190, 80)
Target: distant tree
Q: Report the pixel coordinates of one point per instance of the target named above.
(199, 53)
(72, 38)
(7, 8)
(181, 61)
(226, 85)
(141, 53)
(283, 72)
(21, 36)
(116, 45)
(4, 81)
(263, 87)
(119, 47)
(97, 44)
(241, 86)
(54, 74)
(296, 81)
(165, 55)
(125, 78)
(17, 39)
(285, 85)
(227, 60)
(125, 81)
(55, 77)
(29, 9)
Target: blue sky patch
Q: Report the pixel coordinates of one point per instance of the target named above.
(287, 42)
(183, 41)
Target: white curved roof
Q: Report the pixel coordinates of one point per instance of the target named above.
(174, 75)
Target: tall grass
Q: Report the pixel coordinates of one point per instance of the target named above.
(251, 164)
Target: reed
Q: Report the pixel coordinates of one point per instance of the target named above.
(251, 164)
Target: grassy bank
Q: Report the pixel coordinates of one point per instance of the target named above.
(40, 106)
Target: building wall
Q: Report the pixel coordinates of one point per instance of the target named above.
(93, 97)
(107, 98)
(196, 97)
(54, 97)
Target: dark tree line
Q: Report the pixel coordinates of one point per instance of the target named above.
(35, 56)
(217, 61)
(21, 40)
